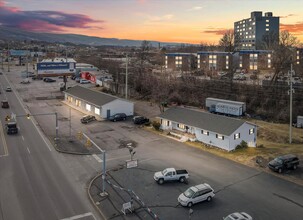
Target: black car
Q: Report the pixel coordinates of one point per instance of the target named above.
(49, 80)
(285, 162)
(87, 118)
(11, 128)
(8, 89)
(118, 117)
(4, 104)
(139, 120)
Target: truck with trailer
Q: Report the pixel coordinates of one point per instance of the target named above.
(226, 107)
(171, 174)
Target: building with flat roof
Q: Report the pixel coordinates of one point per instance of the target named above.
(257, 31)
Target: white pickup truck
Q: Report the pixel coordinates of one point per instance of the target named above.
(171, 174)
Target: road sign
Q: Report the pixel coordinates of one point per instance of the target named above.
(131, 163)
(126, 206)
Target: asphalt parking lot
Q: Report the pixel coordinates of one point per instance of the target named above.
(237, 187)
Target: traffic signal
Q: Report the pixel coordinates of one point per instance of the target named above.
(88, 143)
(28, 116)
(7, 118)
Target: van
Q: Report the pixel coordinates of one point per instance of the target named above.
(196, 194)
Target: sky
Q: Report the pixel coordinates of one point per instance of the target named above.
(183, 21)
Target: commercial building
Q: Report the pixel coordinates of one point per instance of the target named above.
(211, 129)
(97, 103)
(255, 32)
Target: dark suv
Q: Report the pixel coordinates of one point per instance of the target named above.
(118, 117)
(87, 118)
(139, 120)
(285, 162)
(11, 128)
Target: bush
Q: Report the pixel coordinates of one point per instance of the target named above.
(242, 145)
(156, 125)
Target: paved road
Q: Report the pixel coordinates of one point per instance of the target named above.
(33, 183)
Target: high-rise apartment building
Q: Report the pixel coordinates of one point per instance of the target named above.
(257, 32)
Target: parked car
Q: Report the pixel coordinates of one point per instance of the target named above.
(25, 81)
(238, 216)
(1, 73)
(49, 80)
(8, 89)
(171, 174)
(87, 118)
(11, 128)
(37, 77)
(118, 117)
(285, 162)
(196, 194)
(139, 120)
(4, 104)
(84, 81)
(77, 79)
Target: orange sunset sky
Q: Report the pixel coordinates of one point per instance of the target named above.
(184, 21)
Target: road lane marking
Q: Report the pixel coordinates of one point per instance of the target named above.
(80, 216)
(3, 141)
(97, 158)
(22, 137)
(21, 103)
(28, 150)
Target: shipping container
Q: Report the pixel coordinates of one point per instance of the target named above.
(227, 107)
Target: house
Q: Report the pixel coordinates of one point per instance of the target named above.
(216, 130)
(97, 103)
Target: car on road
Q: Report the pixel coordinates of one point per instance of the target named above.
(285, 162)
(25, 81)
(196, 194)
(49, 80)
(87, 118)
(118, 117)
(171, 174)
(11, 128)
(8, 89)
(4, 104)
(84, 81)
(238, 216)
(139, 120)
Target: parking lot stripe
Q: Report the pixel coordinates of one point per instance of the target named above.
(80, 216)
(3, 141)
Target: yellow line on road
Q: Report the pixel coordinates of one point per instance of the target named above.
(3, 140)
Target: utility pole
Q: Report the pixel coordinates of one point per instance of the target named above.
(126, 77)
(290, 92)
(8, 70)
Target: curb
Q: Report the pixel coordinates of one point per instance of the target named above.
(91, 199)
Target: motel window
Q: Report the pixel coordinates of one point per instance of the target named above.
(165, 122)
(298, 62)
(78, 102)
(182, 126)
(205, 132)
(237, 136)
(267, 29)
(88, 107)
(97, 111)
(251, 131)
(219, 136)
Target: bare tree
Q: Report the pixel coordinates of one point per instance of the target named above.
(227, 42)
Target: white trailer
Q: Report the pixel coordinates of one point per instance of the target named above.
(299, 121)
(225, 106)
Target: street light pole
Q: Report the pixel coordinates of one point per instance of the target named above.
(8, 53)
(290, 92)
(126, 77)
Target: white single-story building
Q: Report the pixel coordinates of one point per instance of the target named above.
(98, 103)
(215, 130)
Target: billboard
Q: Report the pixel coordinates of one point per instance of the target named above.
(19, 52)
(56, 68)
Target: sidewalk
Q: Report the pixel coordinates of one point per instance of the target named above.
(110, 206)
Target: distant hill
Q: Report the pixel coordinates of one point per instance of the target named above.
(17, 34)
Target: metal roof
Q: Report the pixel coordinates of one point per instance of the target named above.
(91, 96)
(204, 120)
(180, 54)
(214, 53)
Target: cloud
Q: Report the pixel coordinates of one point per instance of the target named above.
(216, 31)
(293, 28)
(160, 18)
(43, 21)
(287, 16)
(196, 8)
